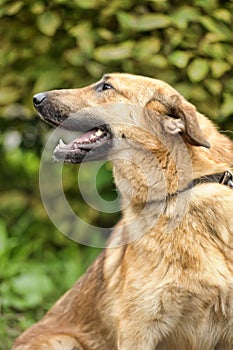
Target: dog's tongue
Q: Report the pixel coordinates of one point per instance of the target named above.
(87, 137)
(86, 141)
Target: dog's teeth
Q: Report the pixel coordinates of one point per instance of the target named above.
(92, 137)
(86, 139)
(99, 132)
(61, 143)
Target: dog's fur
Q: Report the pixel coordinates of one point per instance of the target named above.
(171, 286)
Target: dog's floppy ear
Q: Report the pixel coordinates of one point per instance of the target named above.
(187, 122)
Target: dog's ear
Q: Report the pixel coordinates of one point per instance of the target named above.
(185, 121)
(173, 125)
(181, 118)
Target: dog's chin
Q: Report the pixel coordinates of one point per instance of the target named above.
(93, 145)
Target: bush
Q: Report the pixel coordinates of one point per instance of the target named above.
(65, 44)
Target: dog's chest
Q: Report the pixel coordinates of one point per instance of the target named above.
(178, 285)
(181, 313)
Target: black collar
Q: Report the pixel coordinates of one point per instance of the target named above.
(225, 178)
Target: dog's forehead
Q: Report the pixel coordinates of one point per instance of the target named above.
(122, 80)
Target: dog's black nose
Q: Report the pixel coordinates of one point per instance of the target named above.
(39, 98)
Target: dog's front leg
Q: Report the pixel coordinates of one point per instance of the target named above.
(137, 343)
(131, 337)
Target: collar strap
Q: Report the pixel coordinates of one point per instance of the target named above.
(225, 178)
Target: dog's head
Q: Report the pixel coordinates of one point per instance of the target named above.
(101, 109)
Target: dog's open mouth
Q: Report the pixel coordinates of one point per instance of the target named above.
(92, 145)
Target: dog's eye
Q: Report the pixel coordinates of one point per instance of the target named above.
(107, 87)
(104, 87)
(172, 115)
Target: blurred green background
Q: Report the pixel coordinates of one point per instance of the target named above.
(65, 44)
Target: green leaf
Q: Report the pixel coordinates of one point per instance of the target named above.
(219, 68)
(229, 58)
(184, 88)
(216, 27)
(3, 238)
(209, 109)
(180, 59)
(74, 57)
(198, 93)
(216, 50)
(95, 69)
(223, 14)
(84, 36)
(48, 80)
(209, 5)
(198, 69)
(213, 37)
(14, 8)
(88, 4)
(105, 34)
(146, 48)
(48, 23)
(8, 95)
(144, 22)
(37, 8)
(227, 106)
(114, 52)
(184, 15)
(214, 86)
(229, 85)
(32, 286)
(158, 61)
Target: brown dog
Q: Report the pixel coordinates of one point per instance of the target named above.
(168, 283)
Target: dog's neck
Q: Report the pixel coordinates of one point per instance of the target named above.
(157, 169)
(149, 187)
(153, 173)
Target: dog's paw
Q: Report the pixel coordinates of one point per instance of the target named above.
(59, 342)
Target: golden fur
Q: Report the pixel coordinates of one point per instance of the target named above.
(171, 286)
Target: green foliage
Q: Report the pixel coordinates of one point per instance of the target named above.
(65, 44)
(71, 43)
